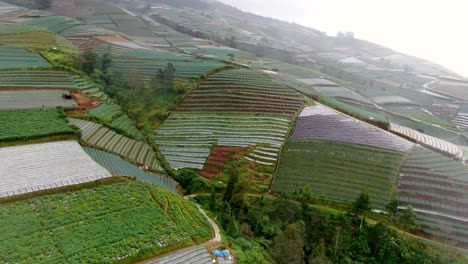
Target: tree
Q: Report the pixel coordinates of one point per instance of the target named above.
(361, 206)
(106, 60)
(392, 209)
(288, 246)
(87, 62)
(232, 182)
(213, 198)
(408, 219)
(165, 78)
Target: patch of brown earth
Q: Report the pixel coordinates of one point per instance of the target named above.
(217, 159)
(84, 101)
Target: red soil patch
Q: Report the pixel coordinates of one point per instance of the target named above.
(84, 101)
(217, 159)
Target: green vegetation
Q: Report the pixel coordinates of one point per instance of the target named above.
(339, 170)
(33, 4)
(20, 58)
(359, 113)
(31, 124)
(122, 222)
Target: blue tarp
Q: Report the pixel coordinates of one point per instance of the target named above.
(219, 253)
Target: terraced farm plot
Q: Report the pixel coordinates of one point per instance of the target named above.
(116, 119)
(198, 255)
(242, 91)
(30, 124)
(119, 167)
(437, 187)
(231, 108)
(106, 113)
(148, 65)
(11, 100)
(101, 137)
(111, 223)
(461, 119)
(420, 114)
(452, 88)
(19, 79)
(339, 170)
(428, 141)
(19, 58)
(320, 122)
(218, 157)
(37, 167)
(186, 139)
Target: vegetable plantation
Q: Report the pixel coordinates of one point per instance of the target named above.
(30, 124)
(101, 137)
(110, 223)
(242, 91)
(115, 118)
(435, 183)
(37, 167)
(37, 79)
(319, 122)
(339, 170)
(20, 58)
(30, 99)
(119, 167)
(186, 139)
(196, 255)
(428, 141)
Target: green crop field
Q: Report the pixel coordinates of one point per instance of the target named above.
(123, 221)
(20, 58)
(29, 124)
(339, 170)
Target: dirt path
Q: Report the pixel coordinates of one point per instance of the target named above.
(217, 238)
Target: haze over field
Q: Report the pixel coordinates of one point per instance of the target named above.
(432, 30)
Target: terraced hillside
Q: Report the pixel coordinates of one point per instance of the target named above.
(36, 79)
(339, 157)
(147, 63)
(196, 255)
(115, 118)
(120, 167)
(31, 124)
(19, 58)
(231, 108)
(120, 222)
(98, 136)
(11, 100)
(436, 186)
(431, 142)
(37, 167)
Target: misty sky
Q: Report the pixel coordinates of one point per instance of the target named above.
(432, 29)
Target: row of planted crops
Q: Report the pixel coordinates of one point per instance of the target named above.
(98, 136)
(109, 223)
(230, 108)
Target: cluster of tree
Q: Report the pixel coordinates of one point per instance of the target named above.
(288, 229)
(33, 4)
(147, 102)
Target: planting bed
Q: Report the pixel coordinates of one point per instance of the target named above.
(108, 223)
(432, 142)
(101, 137)
(37, 167)
(339, 170)
(218, 157)
(20, 58)
(195, 255)
(119, 167)
(30, 124)
(319, 122)
(186, 139)
(21, 79)
(11, 100)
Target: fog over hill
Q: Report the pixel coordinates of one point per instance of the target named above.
(427, 29)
